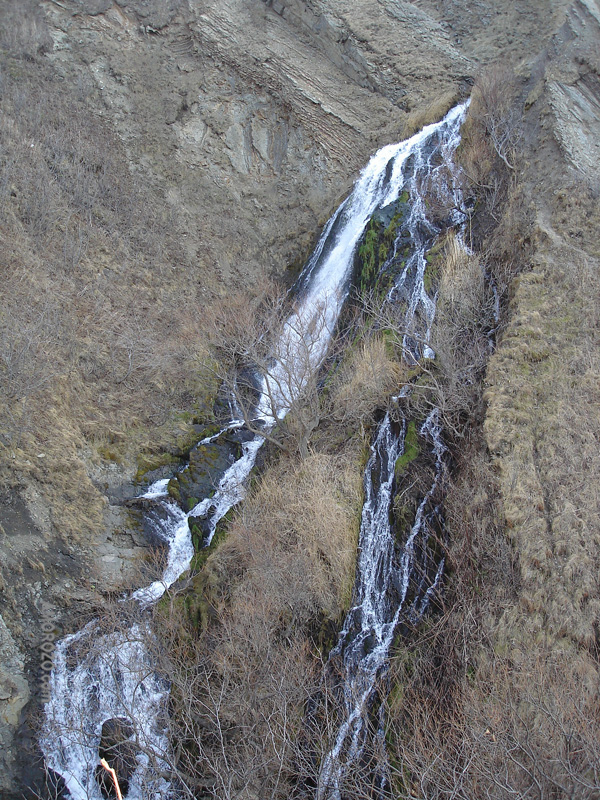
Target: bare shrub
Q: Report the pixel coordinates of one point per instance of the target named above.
(495, 108)
(460, 337)
(494, 120)
(265, 344)
(479, 710)
(537, 732)
(294, 537)
(237, 708)
(490, 138)
(530, 731)
(24, 31)
(240, 686)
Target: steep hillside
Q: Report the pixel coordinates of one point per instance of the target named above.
(159, 156)
(542, 412)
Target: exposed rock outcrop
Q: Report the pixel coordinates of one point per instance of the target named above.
(267, 109)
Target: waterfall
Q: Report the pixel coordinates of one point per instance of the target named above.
(98, 677)
(394, 584)
(381, 596)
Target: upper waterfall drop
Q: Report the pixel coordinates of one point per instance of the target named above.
(322, 289)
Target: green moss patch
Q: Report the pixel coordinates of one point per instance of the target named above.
(173, 490)
(369, 257)
(377, 244)
(433, 266)
(411, 449)
(153, 461)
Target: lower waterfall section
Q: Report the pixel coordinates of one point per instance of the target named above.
(101, 677)
(132, 695)
(394, 584)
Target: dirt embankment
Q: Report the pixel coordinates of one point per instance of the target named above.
(499, 696)
(542, 422)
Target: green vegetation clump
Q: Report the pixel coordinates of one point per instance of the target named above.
(110, 453)
(411, 450)
(203, 553)
(377, 243)
(369, 255)
(153, 461)
(188, 439)
(434, 264)
(197, 533)
(173, 490)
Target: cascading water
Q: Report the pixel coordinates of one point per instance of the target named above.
(393, 584)
(389, 587)
(99, 677)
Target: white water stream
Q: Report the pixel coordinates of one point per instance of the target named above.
(389, 587)
(393, 583)
(98, 677)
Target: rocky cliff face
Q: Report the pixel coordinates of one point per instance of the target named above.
(252, 119)
(244, 123)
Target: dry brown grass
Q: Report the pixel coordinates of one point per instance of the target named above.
(99, 340)
(482, 706)
(541, 427)
(364, 383)
(295, 539)
(499, 696)
(462, 280)
(425, 115)
(285, 569)
(507, 731)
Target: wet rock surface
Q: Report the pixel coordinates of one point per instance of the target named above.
(206, 466)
